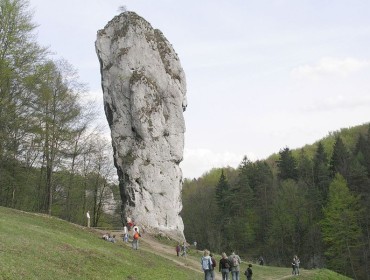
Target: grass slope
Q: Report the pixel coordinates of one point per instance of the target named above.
(41, 247)
(34, 246)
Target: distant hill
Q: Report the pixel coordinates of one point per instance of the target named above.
(348, 135)
(36, 246)
(283, 206)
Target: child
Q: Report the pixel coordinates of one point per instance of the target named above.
(248, 273)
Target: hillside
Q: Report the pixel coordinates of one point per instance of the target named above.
(35, 246)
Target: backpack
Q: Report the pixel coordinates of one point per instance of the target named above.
(136, 235)
(235, 261)
(206, 263)
(213, 263)
(227, 264)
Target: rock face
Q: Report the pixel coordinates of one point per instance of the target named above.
(144, 92)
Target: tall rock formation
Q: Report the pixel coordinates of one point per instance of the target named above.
(144, 93)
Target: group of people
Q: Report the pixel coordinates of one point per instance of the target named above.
(126, 229)
(227, 265)
(135, 235)
(181, 249)
(295, 265)
(108, 237)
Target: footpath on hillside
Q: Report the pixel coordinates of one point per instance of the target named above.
(150, 244)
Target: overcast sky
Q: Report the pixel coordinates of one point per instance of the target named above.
(261, 75)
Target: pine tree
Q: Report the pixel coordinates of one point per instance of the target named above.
(340, 159)
(321, 173)
(223, 193)
(287, 165)
(340, 227)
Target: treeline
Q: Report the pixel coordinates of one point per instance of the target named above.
(52, 159)
(312, 202)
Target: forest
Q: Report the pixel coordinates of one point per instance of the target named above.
(313, 202)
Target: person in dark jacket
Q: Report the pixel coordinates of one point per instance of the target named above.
(293, 266)
(213, 267)
(178, 249)
(224, 267)
(248, 273)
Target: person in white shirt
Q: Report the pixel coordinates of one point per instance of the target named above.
(125, 234)
(88, 218)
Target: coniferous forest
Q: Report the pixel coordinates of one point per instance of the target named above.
(312, 202)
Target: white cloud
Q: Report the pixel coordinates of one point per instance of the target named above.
(198, 161)
(330, 66)
(339, 102)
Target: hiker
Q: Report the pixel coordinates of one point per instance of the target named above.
(125, 234)
(297, 262)
(293, 266)
(178, 249)
(213, 266)
(184, 249)
(261, 260)
(235, 269)
(112, 239)
(88, 218)
(206, 263)
(105, 236)
(224, 266)
(135, 241)
(130, 224)
(136, 228)
(248, 272)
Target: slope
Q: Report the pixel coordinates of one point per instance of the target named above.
(36, 246)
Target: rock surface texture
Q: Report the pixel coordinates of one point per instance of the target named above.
(144, 91)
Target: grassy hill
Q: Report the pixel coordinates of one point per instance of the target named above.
(35, 246)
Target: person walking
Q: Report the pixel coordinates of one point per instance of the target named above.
(297, 262)
(235, 268)
(135, 241)
(213, 267)
(178, 249)
(125, 234)
(206, 263)
(248, 273)
(224, 266)
(184, 249)
(293, 266)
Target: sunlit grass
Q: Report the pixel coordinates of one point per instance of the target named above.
(34, 246)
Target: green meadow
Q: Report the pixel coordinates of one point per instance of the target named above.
(36, 246)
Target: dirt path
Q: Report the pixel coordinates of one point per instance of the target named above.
(169, 253)
(150, 244)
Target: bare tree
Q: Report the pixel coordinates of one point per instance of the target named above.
(122, 9)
